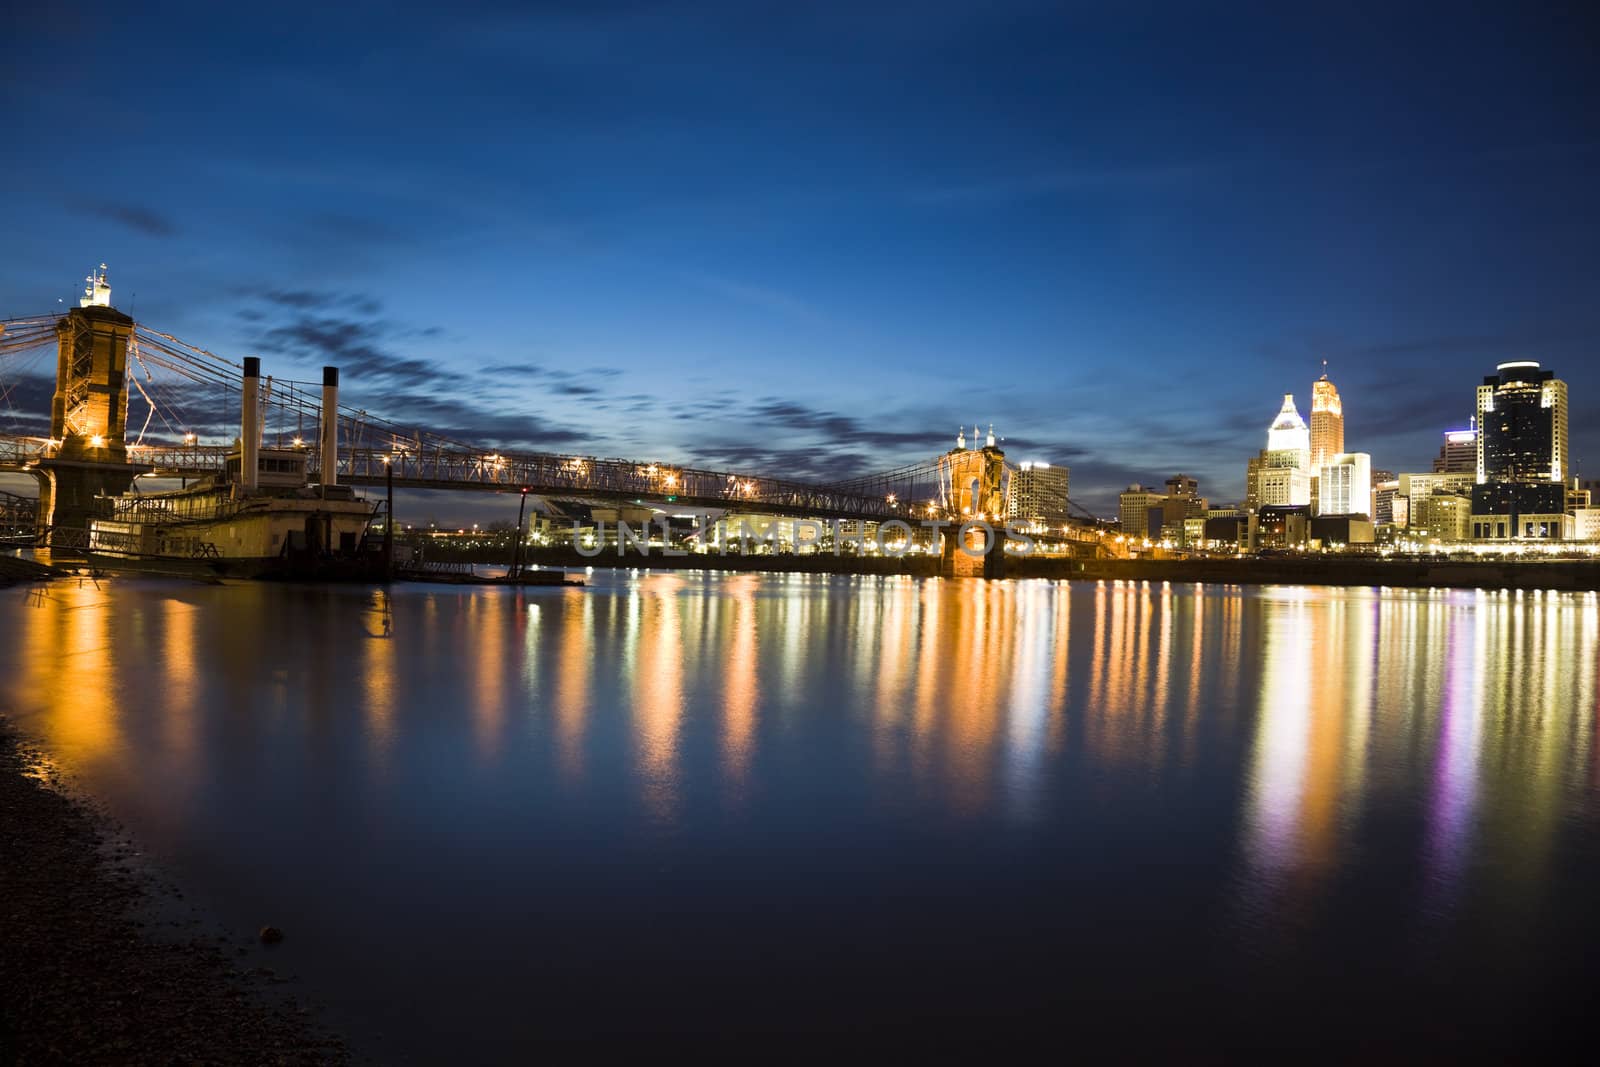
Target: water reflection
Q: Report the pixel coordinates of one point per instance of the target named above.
(656, 687)
(1273, 752)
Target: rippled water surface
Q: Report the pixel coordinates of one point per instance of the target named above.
(1163, 816)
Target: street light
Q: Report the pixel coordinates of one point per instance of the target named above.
(516, 557)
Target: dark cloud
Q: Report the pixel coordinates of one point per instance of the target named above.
(525, 369)
(835, 428)
(25, 404)
(357, 348)
(463, 421)
(311, 300)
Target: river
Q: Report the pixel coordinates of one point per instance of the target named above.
(735, 806)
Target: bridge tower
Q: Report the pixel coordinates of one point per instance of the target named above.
(88, 414)
(973, 483)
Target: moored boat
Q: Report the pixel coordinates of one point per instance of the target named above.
(260, 518)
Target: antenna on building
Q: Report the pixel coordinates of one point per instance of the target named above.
(96, 289)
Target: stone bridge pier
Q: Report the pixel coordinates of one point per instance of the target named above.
(974, 483)
(88, 416)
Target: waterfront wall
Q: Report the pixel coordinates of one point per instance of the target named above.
(1469, 574)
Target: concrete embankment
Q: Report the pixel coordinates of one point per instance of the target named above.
(1468, 574)
(821, 563)
(1462, 574)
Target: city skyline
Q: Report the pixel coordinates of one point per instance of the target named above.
(586, 251)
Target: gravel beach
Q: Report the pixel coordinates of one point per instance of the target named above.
(84, 976)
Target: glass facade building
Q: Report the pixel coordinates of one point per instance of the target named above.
(1521, 491)
(1522, 425)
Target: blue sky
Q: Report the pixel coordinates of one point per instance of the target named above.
(816, 238)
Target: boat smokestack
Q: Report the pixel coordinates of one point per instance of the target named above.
(250, 423)
(330, 425)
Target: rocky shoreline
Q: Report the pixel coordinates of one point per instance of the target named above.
(86, 976)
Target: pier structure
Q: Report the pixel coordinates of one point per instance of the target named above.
(87, 455)
(973, 486)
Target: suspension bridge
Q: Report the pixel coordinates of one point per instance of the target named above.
(125, 395)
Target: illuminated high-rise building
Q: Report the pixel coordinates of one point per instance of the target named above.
(1385, 487)
(1459, 453)
(1344, 485)
(1284, 487)
(1289, 439)
(1521, 490)
(1522, 425)
(1327, 421)
(1038, 494)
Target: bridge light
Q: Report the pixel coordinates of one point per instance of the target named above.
(189, 439)
(97, 441)
(298, 442)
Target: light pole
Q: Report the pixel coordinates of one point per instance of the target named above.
(516, 556)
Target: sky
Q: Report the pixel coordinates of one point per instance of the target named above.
(815, 239)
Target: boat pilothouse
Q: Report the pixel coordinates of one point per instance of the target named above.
(262, 516)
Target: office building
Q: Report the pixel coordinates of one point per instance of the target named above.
(1327, 422)
(1281, 527)
(1459, 452)
(1441, 516)
(1344, 485)
(1289, 439)
(1385, 487)
(1586, 524)
(1522, 425)
(1183, 498)
(1504, 511)
(1252, 481)
(1283, 487)
(1039, 494)
(1458, 483)
(1521, 490)
(1135, 507)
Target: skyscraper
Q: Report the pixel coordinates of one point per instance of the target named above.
(1327, 422)
(1459, 453)
(1522, 455)
(1039, 494)
(1522, 425)
(1281, 473)
(1288, 438)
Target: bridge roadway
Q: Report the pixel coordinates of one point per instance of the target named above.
(545, 474)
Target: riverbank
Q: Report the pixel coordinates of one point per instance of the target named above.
(83, 977)
(14, 569)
